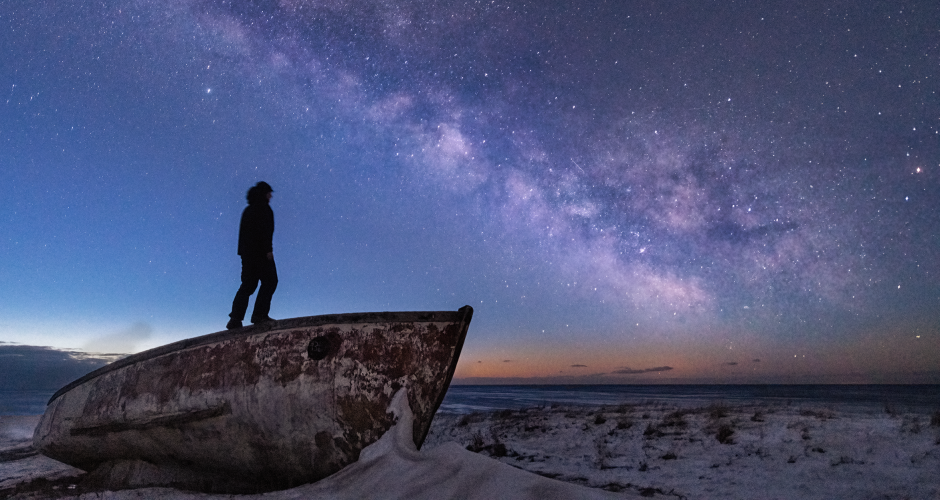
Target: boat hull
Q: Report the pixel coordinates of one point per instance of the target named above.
(259, 408)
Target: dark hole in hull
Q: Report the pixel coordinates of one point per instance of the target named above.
(318, 348)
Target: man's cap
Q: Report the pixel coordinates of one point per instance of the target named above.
(264, 187)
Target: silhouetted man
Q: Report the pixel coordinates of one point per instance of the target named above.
(255, 246)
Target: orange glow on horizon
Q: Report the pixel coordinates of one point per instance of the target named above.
(894, 356)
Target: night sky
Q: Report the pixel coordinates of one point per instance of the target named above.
(625, 192)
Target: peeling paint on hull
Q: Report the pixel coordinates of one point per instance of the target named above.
(259, 408)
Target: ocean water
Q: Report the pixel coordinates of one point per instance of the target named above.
(24, 402)
(483, 398)
(852, 398)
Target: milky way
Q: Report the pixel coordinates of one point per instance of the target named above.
(658, 165)
(678, 160)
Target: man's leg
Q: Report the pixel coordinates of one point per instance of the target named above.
(250, 277)
(268, 277)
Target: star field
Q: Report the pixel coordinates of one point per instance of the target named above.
(658, 184)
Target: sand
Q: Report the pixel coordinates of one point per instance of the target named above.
(631, 451)
(716, 451)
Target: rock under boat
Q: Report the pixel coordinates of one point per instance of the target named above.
(258, 408)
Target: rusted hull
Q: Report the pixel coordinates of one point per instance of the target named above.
(258, 408)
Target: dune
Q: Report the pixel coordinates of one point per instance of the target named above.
(394, 468)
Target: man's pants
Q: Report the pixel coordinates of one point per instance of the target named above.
(255, 269)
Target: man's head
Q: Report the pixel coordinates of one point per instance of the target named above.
(260, 192)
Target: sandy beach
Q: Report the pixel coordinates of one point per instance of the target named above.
(715, 451)
(628, 451)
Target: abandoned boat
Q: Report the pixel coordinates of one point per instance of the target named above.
(255, 409)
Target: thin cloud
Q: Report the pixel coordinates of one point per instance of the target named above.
(579, 366)
(630, 371)
(125, 340)
(732, 363)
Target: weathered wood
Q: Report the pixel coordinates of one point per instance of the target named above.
(258, 408)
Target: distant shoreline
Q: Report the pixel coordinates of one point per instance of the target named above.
(493, 397)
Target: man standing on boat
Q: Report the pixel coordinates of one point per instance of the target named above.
(255, 234)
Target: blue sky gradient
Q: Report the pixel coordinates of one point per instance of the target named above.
(614, 188)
